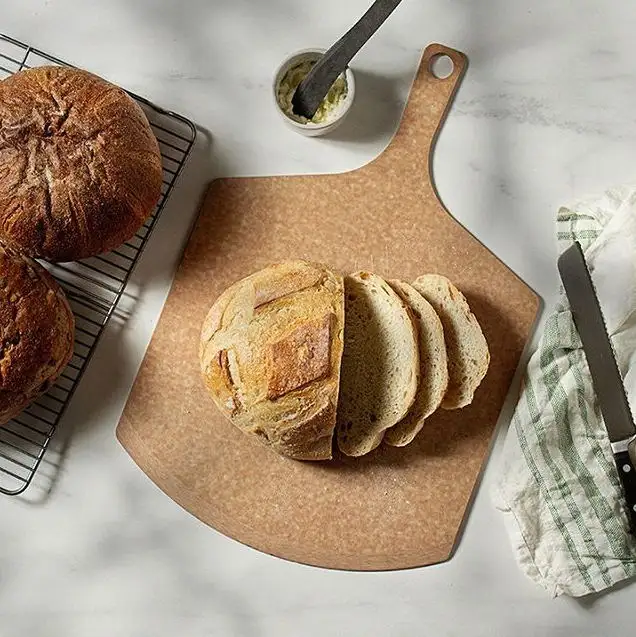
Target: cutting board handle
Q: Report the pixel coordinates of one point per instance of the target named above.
(428, 103)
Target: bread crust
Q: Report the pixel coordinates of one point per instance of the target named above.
(270, 354)
(80, 169)
(36, 332)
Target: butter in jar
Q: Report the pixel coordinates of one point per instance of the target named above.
(330, 107)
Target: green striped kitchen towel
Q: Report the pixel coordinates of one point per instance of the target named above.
(559, 488)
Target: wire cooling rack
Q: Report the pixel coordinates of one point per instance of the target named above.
(93, 286)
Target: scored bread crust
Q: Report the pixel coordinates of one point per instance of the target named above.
(380, 364)
(468, 354)
(80, 169)
(270, 354)
(433, 367)
(36, 332)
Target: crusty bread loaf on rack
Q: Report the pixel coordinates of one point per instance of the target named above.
(36, 332)
(80, 169)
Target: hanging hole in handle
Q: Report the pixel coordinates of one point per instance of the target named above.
(441, 66)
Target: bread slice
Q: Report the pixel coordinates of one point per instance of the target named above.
(433, 366)
(380, 364)
(270, 355)
(468, 355)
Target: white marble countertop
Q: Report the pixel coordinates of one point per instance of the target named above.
(545, 114)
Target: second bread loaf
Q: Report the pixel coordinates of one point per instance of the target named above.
(37, 331)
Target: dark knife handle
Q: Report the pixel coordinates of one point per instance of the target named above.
(627, 474)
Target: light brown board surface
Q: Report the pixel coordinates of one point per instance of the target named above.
(395, 508)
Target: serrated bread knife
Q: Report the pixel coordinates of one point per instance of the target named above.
(606, 378)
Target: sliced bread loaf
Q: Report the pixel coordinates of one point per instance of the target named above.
(468, 355)
(433, 366)
(270, 356)
(380, 363)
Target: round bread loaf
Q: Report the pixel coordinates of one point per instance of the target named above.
(36, 332)
(80, 169)
(270, 355)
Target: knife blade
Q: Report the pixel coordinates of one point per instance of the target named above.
(606, 378)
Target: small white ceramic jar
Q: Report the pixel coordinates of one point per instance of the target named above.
(335, 118)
